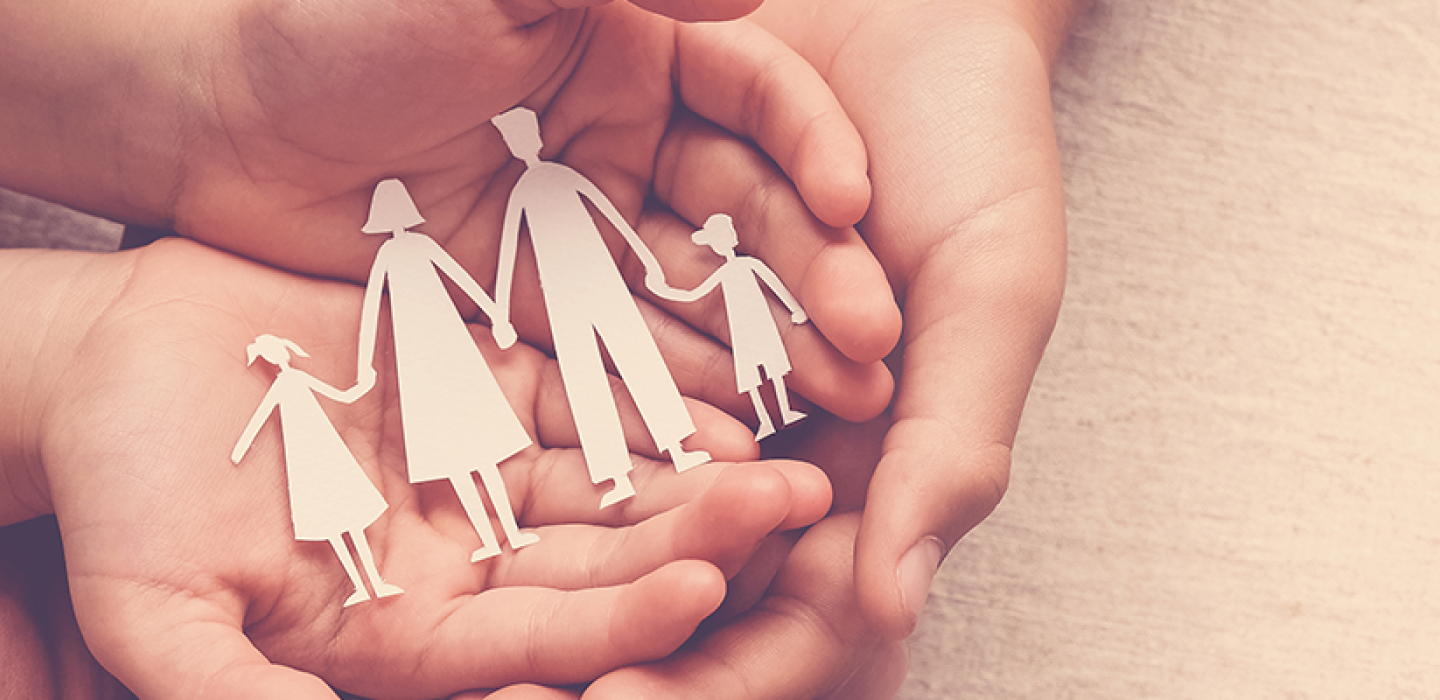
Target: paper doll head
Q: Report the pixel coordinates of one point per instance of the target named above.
(521, 130)
(391, 209)
(274, 350)
(719, 234)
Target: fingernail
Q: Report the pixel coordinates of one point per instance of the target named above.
(917, 571)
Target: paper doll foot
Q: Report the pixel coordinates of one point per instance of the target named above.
(685, 461)
(623, 490)
(523, 539)
(792, 416)
(484, 553)
(359, 596)
(385, 590)
(766, 430)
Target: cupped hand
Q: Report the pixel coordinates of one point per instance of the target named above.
(187, 580)
(967, 218)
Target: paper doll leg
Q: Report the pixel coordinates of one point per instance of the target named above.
(783, 398)
(360, 595)
(475, 509)
(495, 486)
(367, 560)
(648, 379)
(587, 387)
(767, 428)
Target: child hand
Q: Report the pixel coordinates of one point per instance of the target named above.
(186, 578)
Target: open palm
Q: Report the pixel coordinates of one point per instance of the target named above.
(187, 580)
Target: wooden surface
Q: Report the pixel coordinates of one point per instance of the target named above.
(1227, 482)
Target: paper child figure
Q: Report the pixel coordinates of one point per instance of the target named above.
(585, 296)
(455, 418)
(330, 495)
(754, 339)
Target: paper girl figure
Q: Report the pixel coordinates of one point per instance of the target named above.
(455, 418)
(754, 339)
(330, 495)
(586, 297)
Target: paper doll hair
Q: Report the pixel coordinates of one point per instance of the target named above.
(275, 350)
(521, 130)
(391, 209)
(718, 232)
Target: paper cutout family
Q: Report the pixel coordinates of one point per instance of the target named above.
(455, 419)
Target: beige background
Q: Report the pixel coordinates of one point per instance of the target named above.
(1227, 481)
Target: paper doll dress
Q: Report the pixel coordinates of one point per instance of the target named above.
(329, 491)
(754, 342)
(448, 395)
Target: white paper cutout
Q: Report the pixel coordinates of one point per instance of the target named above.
(455, 418)
(330, 495)
(754, 340)
(586, 297)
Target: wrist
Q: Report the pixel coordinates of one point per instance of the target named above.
(51, 300)
(97, 101)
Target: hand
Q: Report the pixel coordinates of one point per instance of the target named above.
(280, 120)
(187, 580)
(967, 219)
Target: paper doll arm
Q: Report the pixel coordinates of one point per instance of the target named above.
(262, 414)
(505, 268)
(500, 324)
(688, 295)
(772, 280)
(654, 274)
(336, 394)
(370, 318)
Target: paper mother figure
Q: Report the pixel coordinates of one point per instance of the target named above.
(754, 340)
(455, 418)
(586, 297)
(330, 495)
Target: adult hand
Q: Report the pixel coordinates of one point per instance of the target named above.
(262, 128)
(967, 218)
(186, 579)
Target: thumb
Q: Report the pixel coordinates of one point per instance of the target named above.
(161, 647)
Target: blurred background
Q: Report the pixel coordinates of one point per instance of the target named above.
(1227, 480)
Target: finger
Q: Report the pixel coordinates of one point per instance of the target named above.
(538, 635)
(746, 81)
(700, 10)
(879, 676)
(831, 270)
(723, 526)
(163, 644)
(524, 691)
(809, 613)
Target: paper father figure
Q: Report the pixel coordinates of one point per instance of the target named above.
(330, 495)
(585, 296)
(455, 418)
(754, 339)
